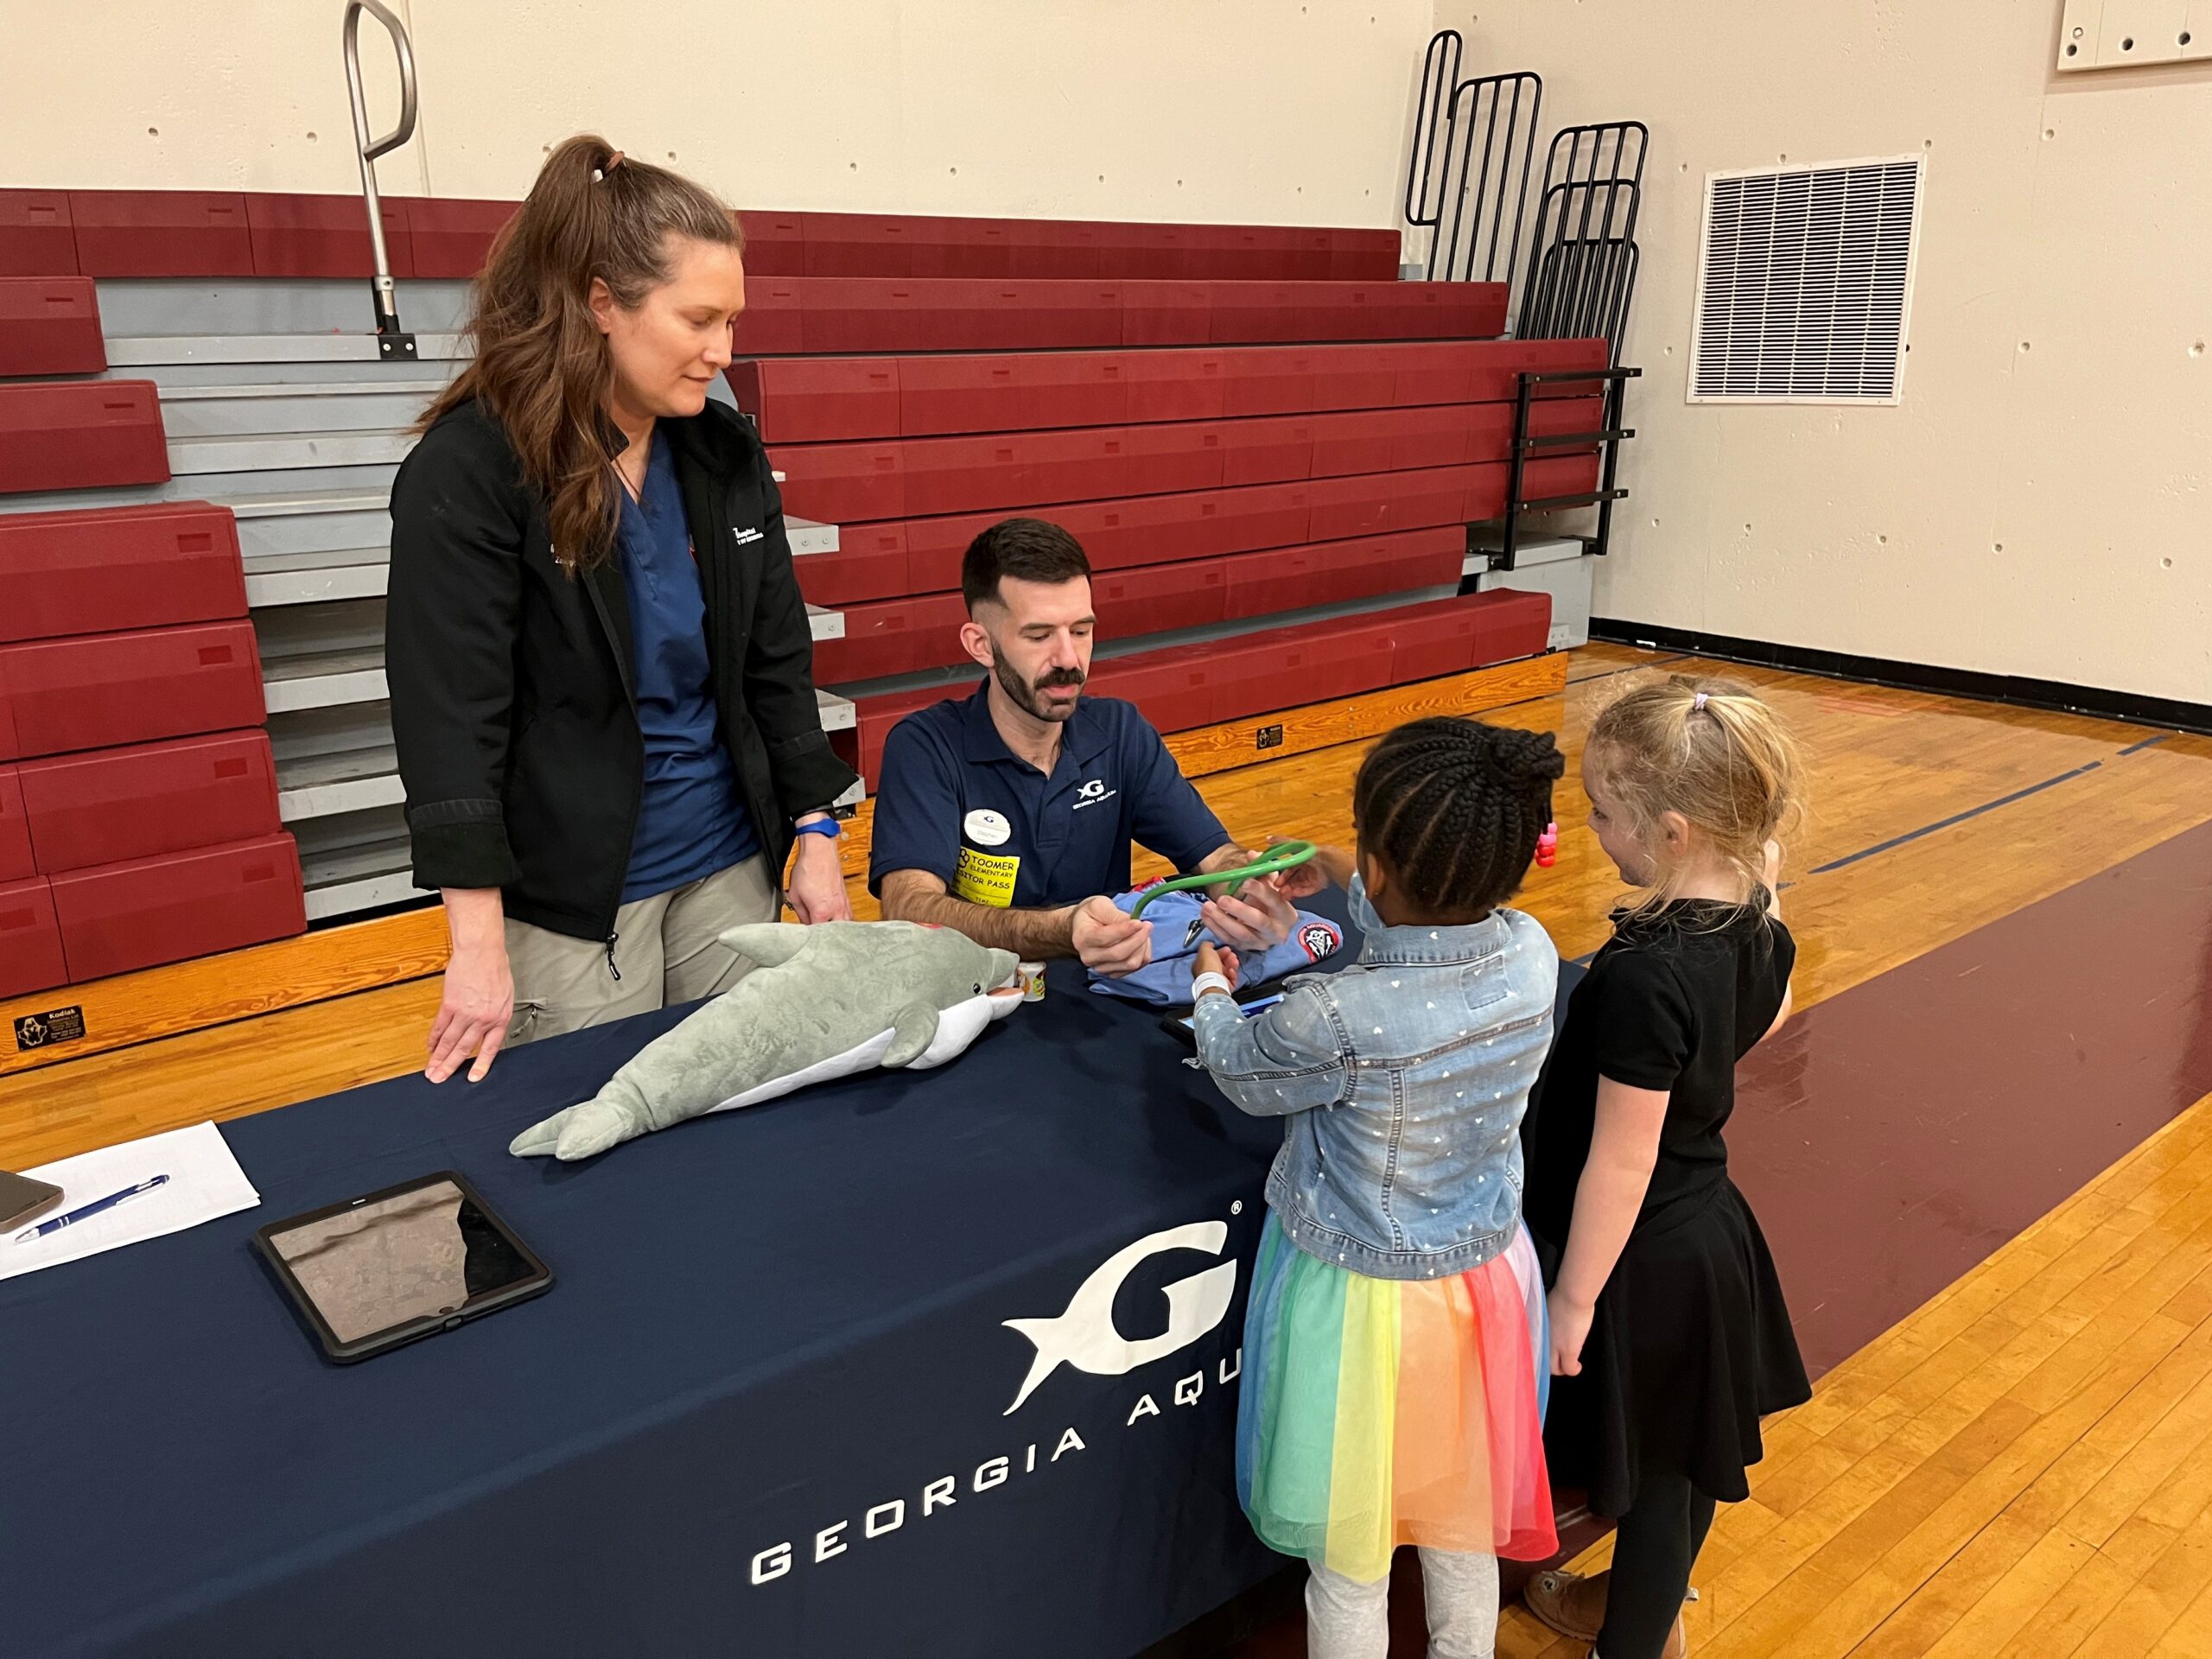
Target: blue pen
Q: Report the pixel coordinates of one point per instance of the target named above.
(86, 1212)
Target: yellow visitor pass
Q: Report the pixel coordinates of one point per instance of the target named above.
(985, 878)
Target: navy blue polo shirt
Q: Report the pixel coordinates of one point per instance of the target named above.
(953, 800)
(691, 823)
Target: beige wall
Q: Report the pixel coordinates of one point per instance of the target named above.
(2058, 396)
(1251, 111)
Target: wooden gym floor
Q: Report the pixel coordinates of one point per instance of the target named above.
(1982, 1153)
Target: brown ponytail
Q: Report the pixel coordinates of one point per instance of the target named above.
(541, 365)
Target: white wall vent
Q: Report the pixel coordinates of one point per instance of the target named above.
(1804, 283)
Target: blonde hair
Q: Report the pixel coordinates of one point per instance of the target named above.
(1710, 750)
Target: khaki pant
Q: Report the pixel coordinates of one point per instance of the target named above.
(665, 950)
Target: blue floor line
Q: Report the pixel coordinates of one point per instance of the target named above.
(1956, 817)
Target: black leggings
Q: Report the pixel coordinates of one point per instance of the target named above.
(1654, 1546)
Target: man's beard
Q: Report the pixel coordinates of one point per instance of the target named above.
(1027, 698)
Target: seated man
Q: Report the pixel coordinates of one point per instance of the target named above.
(1009, 814)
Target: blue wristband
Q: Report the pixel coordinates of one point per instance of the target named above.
(828, 828)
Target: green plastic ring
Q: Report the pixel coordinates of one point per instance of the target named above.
(1283, 855)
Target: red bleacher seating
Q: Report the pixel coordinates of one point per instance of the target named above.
(858, 483)
(115, 918)
(75, 435)
(115, 568)
(860, 315)
(16, 859)
(325, 236)
(97, 690)
(916, 630)
(815, 400)
(1182, 687)
(449, 235)
(883, 560)
(50, 325)
(37, 237)
(143, 800)
(161, 233)
(880, 245)
(30, 937)
(226, 233)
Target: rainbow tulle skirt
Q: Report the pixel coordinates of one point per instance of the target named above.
(1380, 1412)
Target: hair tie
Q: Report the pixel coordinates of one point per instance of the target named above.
(599, 173)
(1697, 703)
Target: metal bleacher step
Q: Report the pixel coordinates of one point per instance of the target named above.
(263, 409)
(162, 351)
(355, 861)
(310, 578)
(351, 780)
(838, 714)
(323, 680)
(278, 452)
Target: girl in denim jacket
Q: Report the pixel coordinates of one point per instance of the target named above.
(1395, 1343)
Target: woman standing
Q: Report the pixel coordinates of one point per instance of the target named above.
(601, 667)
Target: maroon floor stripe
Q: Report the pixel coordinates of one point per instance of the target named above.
(1896, 1135)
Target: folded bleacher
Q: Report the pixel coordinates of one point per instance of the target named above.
(1270, 445)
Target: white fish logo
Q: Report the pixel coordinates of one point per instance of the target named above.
(1085, 1336)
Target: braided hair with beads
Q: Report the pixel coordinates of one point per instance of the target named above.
(1453, 807)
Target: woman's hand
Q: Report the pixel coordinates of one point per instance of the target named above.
(478, 1002)
(1570, 1329)
(817, 884)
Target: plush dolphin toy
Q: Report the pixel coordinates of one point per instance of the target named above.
(822, 1002)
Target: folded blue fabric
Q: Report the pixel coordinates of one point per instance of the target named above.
(1165, 981)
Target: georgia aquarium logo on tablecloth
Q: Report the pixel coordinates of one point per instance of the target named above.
(1086, 1337)
(1083, 1338)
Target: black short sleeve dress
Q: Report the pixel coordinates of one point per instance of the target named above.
(1690, 1344)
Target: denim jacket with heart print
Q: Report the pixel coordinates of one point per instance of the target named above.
(1403, 1081)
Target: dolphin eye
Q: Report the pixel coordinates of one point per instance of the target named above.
(978, 988)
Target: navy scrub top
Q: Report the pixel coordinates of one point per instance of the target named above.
(953, 800)
(691, 822)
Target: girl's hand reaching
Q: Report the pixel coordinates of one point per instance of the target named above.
(1329, 866)
(1215, 959)
(1570, 1324)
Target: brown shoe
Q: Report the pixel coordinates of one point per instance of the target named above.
(1575, 1606)
(1568, 1602)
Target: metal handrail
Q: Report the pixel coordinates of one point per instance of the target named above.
(1439, 80)
(1453, 252)
(397, 344)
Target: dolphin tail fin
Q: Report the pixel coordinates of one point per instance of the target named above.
(1041, 1333)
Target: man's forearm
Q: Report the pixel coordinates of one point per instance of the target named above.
(1032, 935)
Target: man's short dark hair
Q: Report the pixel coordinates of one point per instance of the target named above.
(1028, 549)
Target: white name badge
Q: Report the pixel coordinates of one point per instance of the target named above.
(986, 828)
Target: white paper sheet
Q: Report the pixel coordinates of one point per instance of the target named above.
(204, 1182)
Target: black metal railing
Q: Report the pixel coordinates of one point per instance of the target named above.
(1606, 441)
(1471, 204)
(1582, 257)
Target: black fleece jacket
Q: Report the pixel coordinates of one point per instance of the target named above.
(513, 698)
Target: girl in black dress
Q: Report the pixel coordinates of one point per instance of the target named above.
(1669, 1338)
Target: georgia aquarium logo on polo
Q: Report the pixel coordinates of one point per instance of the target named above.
(1085, 1337)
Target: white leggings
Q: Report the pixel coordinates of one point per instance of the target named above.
(1346, 1619)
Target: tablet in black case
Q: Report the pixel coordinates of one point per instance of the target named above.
(391, 1267)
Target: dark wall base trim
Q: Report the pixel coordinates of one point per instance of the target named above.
(2168, 713)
